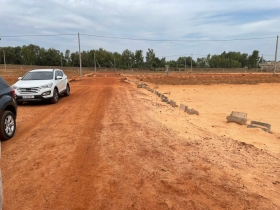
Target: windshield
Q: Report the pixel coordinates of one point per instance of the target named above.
(39, 75)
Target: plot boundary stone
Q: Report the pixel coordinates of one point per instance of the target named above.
(237, 117)
(183, 107)
(264, 126)
(192, 111)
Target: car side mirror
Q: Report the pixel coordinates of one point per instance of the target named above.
(58, 77)
(19, 78)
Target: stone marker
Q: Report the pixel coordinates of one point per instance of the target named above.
(163, 97)
(264, 126)
(238, 117)
(183, 107)
(192, 111)
(173, 103)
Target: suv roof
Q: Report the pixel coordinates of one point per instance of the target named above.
(44, 70)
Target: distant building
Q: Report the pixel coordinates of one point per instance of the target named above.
(269, 66)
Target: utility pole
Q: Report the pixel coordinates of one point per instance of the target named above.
(185, 63)
(61, 63)
(114, 64)
(80, 55)
(4, 59)
(191, 64)
(262, 63)
(275, 55)
(94, 63)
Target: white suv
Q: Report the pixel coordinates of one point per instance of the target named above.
(41, 84)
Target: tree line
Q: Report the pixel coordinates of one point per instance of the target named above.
(35, 55)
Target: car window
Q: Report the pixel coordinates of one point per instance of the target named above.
(56, 74)
(60, 73)
(38, 75)
(3, 83)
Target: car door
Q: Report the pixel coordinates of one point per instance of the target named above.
(58, 82)
(64, 80)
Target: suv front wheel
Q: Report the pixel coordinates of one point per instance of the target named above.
(54, 99)
(67, 92)
(8, 125)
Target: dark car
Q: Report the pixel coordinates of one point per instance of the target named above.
(8, 110)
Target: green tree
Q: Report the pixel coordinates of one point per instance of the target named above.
(139, 59)
(67, 58)
(253, 59)
(201, 63)
(150, 58)
(128, 59)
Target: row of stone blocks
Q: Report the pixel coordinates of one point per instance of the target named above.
(237, 117)
(189, 111)
(165, 99)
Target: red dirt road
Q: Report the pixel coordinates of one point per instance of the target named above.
(104, 148)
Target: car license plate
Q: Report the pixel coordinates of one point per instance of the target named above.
(27, 96)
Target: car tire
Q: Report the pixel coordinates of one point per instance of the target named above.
(54, 99)
(67, 92)
(7, 125)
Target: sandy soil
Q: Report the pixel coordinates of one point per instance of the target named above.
(110, 145)
(182, 78)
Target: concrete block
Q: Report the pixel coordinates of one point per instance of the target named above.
(183, 107)
(163, 97)
(192, 111)
(239, 114)
(264, 126)
(237, 117)
(239, 120)
(173, 103)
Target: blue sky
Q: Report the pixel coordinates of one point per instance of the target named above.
(198, 20)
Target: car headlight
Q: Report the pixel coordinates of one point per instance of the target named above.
(47, 85)
(14, 86)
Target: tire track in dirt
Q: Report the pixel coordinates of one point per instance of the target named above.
(81, 175)
(37, 160)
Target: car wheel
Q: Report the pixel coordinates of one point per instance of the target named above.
(54, 99)
(67, 93)
(8, 125)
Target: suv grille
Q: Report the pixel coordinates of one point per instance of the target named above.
(29, 90)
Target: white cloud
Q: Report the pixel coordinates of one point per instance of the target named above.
(149, 19)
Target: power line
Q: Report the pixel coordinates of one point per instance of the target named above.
(176, 40)
(139, 39)
(182, 55)
(28, 35)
